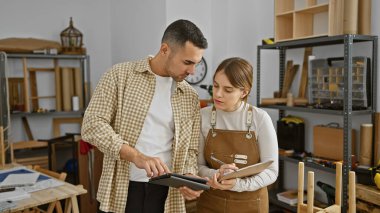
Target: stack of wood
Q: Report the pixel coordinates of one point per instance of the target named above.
(282, 97)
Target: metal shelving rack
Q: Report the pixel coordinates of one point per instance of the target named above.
(347, 112)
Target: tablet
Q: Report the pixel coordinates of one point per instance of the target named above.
(247, 171)
(177, 180)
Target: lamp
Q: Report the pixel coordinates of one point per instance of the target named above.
(72, 40)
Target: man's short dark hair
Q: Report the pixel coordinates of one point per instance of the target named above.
(181, 31)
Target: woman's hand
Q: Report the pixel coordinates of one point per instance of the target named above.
(227, 168)
(222, 185)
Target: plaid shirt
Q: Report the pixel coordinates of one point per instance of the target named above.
(116, 115)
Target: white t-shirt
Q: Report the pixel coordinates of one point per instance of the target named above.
(265, 134)
(157, 134)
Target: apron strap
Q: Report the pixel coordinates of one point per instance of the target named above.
(248, 121)
(213, 121)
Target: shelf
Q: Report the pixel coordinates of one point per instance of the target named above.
(312, 110)
(308, 164)
(273, 200)
(319, 41)
(22, 114)
(46, 56)
(314, 9)
(285, 14)
(283, 6)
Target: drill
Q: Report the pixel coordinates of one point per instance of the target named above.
(329, 190)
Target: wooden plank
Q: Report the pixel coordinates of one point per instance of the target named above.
(320, 8)
(336, 16)
(364, 17)
(310, 191)
(33, 90)
(28, 131)
(58, 87)
(78, 86)
(351, 193)
(301, 169)
(289, 65)
(350, 20)
(289, 80)
(40, 69)
(367, 193)
(26, 86)
(16, 93)
(41, 97)
(367, 207)
(67, 86)
(2, 147)
(376, 153)
(274, 101)
(304, 74)
(338, 183)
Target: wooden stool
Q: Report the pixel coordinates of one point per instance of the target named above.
(309, 207)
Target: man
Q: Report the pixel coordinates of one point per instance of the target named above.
(145, 119)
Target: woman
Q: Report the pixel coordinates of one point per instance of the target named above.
(235, 134)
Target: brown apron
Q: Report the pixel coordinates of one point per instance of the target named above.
(241, 148)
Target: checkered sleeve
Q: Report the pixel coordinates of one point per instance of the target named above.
(97, 126)
(191, 165)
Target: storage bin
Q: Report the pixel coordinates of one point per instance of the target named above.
(326, 83)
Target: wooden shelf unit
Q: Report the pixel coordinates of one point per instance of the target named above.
(316, 19)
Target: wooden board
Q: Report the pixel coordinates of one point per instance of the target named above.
(58, 87)
(2, 147)
(369, 194)
(336, 16)
(376, 153)
(350, 20)
(304, 74)
(364, 17)
(26, 86)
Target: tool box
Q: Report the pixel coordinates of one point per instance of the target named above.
(291, 136)
(326, 83)
(328, 141)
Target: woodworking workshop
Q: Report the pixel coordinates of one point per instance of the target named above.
(204, 106)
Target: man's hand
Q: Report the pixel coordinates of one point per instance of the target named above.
(188, 193)
(152, 165)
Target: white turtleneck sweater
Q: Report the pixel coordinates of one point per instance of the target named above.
(265, 134)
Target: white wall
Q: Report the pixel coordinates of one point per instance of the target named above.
(46, 19)
(137, 27)
(120, 30)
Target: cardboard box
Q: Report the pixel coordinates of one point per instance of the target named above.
(328, 142)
